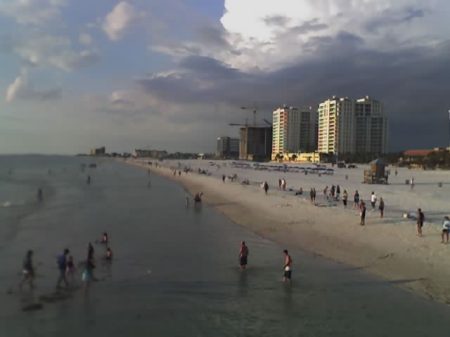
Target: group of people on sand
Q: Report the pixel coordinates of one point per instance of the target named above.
(420, 220)
(287, 266)
(66, 266)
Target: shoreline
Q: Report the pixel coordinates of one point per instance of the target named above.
(389, 251)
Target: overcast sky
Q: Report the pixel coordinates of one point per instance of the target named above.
(171, 74)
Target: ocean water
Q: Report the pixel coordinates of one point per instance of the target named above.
(175, 269)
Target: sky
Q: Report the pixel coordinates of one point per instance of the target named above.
(172, 74)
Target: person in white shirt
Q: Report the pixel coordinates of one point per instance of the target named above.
(373, 200)
(445, 229)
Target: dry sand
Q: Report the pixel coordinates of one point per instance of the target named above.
(386, 247)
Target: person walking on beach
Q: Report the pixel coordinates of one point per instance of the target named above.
(223, 178)
(314, 195)
(243, 255)
(266, 187)
(338, 192)
(381, 208)
(345, 198)
(373, 200)
(311, 195)
(27, 270)
(332, 192)
(325, 192)
(283, 184)
(445, 229)
(420, 221)
(356, 199)
(363, 213)
(411, 183)
(287, 275)
(62, 266)
(279, 184)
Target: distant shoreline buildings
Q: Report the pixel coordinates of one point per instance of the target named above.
(340, 127)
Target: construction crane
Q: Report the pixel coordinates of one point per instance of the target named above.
(253, 110)
(246, 125)
(267, 122)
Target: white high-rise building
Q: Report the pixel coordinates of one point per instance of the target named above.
(336, 126)
(293, 130)
(370, 126)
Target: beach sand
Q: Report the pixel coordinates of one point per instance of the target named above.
(388, 248)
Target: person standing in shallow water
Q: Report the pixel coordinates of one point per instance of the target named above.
(62, 267)
(40, 195)
(243, 255)
(287, 275)
(27, 270)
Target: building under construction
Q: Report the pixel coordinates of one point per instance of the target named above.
(255, 143)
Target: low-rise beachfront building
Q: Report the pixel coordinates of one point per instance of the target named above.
(101, 151)
(336, 126)
(142, 153)
(298, 157)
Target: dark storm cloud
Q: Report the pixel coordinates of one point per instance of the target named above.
(389, 18)
(207, 67)
(412, 83)
(313, 25)
(213, 35)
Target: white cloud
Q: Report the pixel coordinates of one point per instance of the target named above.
(46, 50)
(33, 12)
(85, 39)
(382, 24)
(118, 21)
(21, 88)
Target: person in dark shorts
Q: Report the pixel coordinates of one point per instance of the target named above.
(287, 267)
(381, 207)
(266, 187)
(108, 254)
(90, 250)
(345, 198)
(363, 213)
(27, 270)
(243, 255)
(356, 200)
(420, 221)
(105, 238)
(62, 267)
(445, 229)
